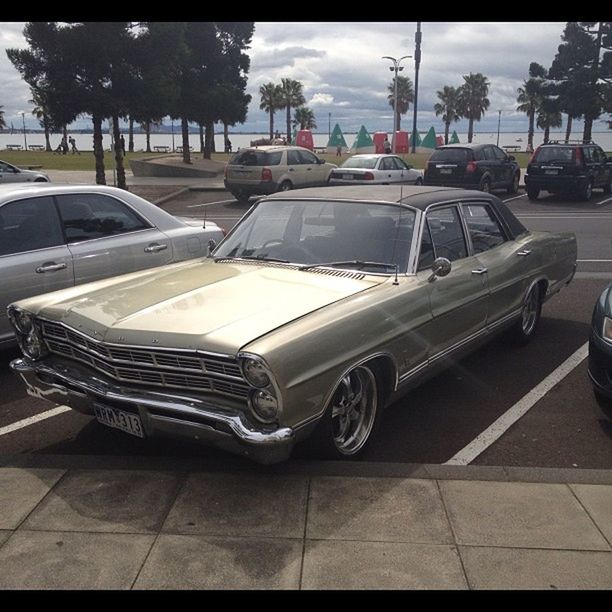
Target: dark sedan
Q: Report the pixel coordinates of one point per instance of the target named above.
(600, 346)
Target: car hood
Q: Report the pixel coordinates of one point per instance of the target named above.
(217, 307)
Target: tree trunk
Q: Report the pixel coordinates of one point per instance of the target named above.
(587, 134)
(568, 129)
(546, 134)
(470, 130)
(225, 137)
(98, 149)
(530, 131)
(446, 130)
(202, 146)
(185, 134)
(148, 133)
(209, 135)
(47, 139)
(271, 125)
(118, 155)
(131, 136)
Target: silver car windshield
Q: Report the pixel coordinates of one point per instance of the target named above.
(360, 235)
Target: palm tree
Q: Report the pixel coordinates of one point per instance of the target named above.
(473, 101)
(2, 123)
(448, 107)
(405, 95)
(270, 102)
(305, 118)
(292, 97)
(548, 119)
(529, 98)
(42, 115)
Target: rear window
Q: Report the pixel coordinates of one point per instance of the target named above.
(257, 158)
(554, 154)
(360, 162)
(451, 155)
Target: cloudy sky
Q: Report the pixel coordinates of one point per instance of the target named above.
(345, 78)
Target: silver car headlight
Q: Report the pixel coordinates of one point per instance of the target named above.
(264, 398)
(28, 333)
(607, 329)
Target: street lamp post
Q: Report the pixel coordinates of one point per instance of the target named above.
(395, 68)
(498, 124)
(417, 63)
(25, 140)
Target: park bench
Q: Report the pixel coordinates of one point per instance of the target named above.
(161, 149)
(13, 147)
(36, 147)
(511, 148)
(180, 149)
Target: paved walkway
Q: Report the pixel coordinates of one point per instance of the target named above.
(109, 523)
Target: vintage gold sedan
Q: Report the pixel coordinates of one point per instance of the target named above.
(317, 310)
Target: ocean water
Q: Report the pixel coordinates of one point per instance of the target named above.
(84, 142)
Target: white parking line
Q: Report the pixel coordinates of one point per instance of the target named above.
(511, 416)
(518, 197)
(35, 419)
(603, 202)
(210, 203)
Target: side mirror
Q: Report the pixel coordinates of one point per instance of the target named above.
(211, 246)
(511, 158)
(440, 267)
(320, 161)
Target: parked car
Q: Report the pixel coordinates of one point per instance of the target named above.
(56, 236)
(13, 174)
(575, 168)
(319, 308)
(375, 169)
(600, 347)
(473, 166)
(268, 169)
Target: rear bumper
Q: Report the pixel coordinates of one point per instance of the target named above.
(462, 184)
(261, 188)
(76, 386)
(555, 183)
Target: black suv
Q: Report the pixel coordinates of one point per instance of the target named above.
(568, 167)
(472, 166)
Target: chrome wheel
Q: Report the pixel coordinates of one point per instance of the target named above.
(354, 409)
(531, 311)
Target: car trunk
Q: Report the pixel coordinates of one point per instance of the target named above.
(554, 162)
(449, 165)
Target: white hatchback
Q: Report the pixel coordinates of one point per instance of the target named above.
(375, 169)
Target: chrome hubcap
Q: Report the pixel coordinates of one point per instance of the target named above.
(530, 312)
(354, 410)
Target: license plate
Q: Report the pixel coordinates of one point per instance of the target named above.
(125, 421)
(446, 170)
(551, 172)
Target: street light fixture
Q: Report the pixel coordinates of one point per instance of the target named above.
(395, 68)
(498, 124)
(25, 140)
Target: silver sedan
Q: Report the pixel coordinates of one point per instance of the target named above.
(57, 236)
(13, 174)
(375, 169)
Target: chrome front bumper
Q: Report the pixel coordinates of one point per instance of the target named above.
(73, 385)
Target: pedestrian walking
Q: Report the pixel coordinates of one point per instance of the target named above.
(387, 145)
(73, 146)
(122, 143)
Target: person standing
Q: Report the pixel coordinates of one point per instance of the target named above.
(122, 143)
(73, 146)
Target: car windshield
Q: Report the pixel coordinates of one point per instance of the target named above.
(340, 234)
(554, 154)
(360, 162)
(256, 158)
(451, 155)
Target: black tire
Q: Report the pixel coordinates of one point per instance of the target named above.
(41, 180)
(586, 192)
(533, 193)
(351, 418)
(514, 184)
(419, 181)
(485, 185)
(525, 328)
(608, 187)
(285, 186)
(241, 196)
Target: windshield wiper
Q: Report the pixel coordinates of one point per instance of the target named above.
(252, 257)
(353, 263)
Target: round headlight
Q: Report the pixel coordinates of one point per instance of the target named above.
(22, 320)
(255, 372)
(33, 346)
(265, 406)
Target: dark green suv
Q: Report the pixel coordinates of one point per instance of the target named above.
(575, 168)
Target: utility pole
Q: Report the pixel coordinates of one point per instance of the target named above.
(417, 62)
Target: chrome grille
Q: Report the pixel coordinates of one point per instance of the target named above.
(158, 367)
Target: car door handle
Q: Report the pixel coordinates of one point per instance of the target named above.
(291, 169)
(50, 267)
(523, 253)
(154, 248)
(480, 271)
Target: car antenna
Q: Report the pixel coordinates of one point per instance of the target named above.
(204, 220)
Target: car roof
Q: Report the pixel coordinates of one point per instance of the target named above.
(8, 190)
(465, 145)
(418, 196)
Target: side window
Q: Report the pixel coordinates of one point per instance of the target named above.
(447, 233)
(588, 154)
(293, 157)
(387, 163)
(597, 157)
(308, 158)
(426, 255)
(489, 153)
(29, 225)
(478, 154)
(87, 216)
(484, 228)
(499, 154)
(400, 164)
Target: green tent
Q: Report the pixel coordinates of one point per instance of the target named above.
(454, 138)
(363, 143)
(416, 139)
(336, 139)
(429, 142)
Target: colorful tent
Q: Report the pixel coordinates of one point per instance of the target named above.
(429, 142)
(363, 143)
(454, 139)
(336, 140)
(415, 139)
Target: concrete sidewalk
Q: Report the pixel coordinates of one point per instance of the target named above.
(146, 523)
